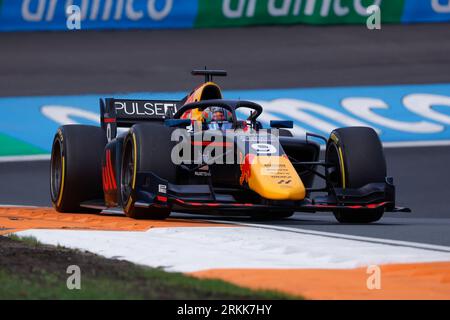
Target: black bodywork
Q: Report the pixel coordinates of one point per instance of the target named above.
(216, 191)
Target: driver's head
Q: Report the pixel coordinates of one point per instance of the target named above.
(218, 115)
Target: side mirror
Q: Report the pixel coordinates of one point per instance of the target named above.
(177, 123)
(282, 124)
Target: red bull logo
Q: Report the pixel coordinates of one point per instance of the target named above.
(246, 167)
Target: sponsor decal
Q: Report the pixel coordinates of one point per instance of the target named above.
(254, 12)
(216, 146)
(202, 174)
(145, 109)
(418, 114)
(97, 14)
(246, 170)
(162, 188)
(264, 148)
(25, 15)
(277, 171)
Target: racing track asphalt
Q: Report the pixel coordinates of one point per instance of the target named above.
(49, 63)
(278, 57)
(422, 184)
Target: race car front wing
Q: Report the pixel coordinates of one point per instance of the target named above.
(152, 191)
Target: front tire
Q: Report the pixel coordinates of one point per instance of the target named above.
(146, 148)
(358, 159)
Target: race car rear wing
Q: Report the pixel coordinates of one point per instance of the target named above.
(116, 113)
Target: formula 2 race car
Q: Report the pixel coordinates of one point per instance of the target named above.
(208, 155)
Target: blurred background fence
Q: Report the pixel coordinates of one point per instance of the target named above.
(23, 15)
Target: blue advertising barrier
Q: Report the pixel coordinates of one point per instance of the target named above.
(426, 11)
(28, 15)
(411, 114)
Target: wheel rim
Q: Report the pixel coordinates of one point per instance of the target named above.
(127, 173)
(56, 170)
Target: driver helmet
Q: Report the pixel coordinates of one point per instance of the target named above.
(218, 118)
(217, 114)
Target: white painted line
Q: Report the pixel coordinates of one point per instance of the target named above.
(400, 243)
(106, 211)
(37, 157)
(16, 206)
(188, 249)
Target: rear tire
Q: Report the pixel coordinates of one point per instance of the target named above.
(75, 167)
(359, 159)
(146, 148)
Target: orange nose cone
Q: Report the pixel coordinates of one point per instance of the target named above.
(273, 177)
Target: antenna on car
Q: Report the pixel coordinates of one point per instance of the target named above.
(208, 73)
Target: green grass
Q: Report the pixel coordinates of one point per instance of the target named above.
(153, 284)
(30, 270)
(32, 241)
